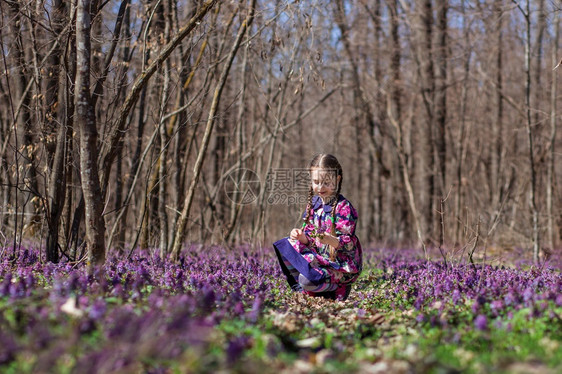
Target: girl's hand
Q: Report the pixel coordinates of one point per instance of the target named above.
(329, 239)
(298, 234)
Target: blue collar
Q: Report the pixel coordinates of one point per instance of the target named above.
(317, 203)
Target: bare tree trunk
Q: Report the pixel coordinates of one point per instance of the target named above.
(428, 94)
(377, 172)
(56, 158)
(396, 97)
(441, 56)
(461, 139)
(120, 181)
(529, 127)
(150, 207)
(541, 24)
(85, 116)
(52, 79)
(498, 148)
(163, 170)
(56, 195)
(5, 177)
(136, 163)
(179, 118)
(66, 111)
(236, 206)
(24, 122)
(534, 208)
(552, 159)
(182, 221)
(154, 35)
(162, 190)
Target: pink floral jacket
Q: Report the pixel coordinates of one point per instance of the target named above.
(349, 255)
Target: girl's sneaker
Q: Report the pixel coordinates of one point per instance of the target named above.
(297, 287)
(342, 292)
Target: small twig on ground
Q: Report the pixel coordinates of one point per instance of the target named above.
(80, 260)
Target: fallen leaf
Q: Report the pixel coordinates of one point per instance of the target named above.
(312, 342)
(69, 307)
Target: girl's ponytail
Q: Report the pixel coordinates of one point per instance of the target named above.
(333, 218)
(308, 207)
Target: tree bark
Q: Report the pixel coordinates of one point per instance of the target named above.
(396, 98)
(85, 117)
(461, 139)
(551, 171)
(66, 111)
(163, 164)
(441, 56)
(428, 95)
(52, 80)
(539, 39)
(56, 189)
(530, 133)
(56, 196)
(236, 206)
(497, 152)
(378, 173)
(27, 151)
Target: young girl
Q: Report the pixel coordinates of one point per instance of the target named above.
(324, 257)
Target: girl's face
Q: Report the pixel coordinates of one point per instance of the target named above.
(324, 182)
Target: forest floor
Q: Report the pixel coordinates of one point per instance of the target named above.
(228, 310)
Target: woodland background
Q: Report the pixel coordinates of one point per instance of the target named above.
(128, 124)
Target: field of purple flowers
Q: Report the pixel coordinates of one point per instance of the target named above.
(228, 309)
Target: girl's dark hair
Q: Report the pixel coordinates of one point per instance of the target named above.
(330, 163)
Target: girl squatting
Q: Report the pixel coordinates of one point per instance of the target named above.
(323, 257)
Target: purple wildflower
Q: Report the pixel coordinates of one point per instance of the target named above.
(481, 322)
(456, 297)
(235, 348)
(98, 309)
